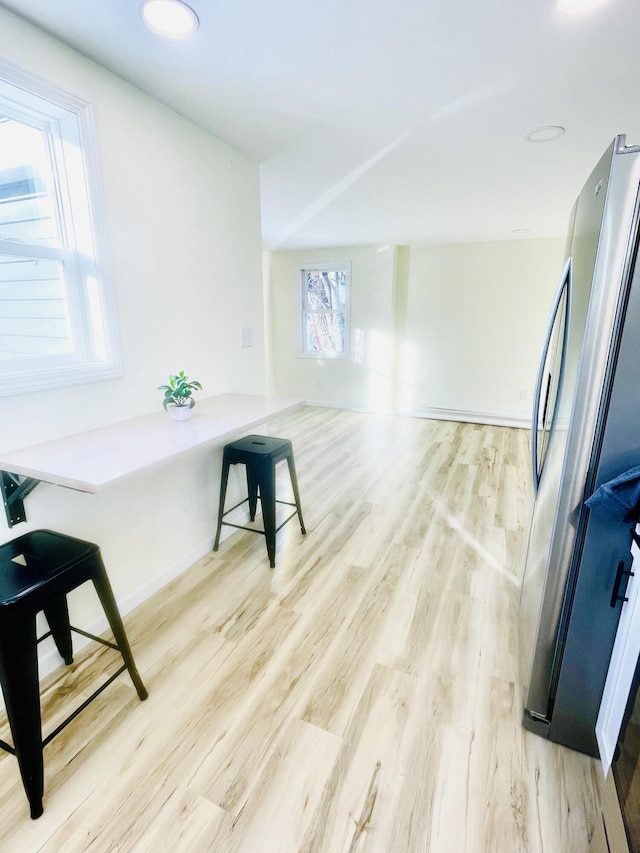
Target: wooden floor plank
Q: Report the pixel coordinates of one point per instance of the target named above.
(361, 696)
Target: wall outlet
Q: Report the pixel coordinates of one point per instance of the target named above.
(186, 500)
(246, 336)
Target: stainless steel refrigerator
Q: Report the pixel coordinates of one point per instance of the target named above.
(586, 431)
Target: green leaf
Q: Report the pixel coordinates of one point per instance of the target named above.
(179, 390)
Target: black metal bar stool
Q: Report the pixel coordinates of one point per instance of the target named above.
(259, 454)
(37, 571)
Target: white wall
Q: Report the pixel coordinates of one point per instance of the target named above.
(448, 331)
(476, 316)
(183, 234)
(362, 381)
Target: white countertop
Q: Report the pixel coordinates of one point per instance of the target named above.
(89, 461)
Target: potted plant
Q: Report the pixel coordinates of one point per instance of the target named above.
(177, 395)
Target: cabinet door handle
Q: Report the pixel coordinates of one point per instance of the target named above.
(615, 595)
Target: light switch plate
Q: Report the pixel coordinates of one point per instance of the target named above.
(246, 336)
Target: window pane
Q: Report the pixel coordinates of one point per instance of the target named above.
(57, 318)
(34, 313)
(326, 290)
(324, 333)
(27, 206)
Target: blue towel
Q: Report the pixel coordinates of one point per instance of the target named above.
(618, 499)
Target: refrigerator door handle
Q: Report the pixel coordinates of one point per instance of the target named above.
(565, 282)
(622, 572)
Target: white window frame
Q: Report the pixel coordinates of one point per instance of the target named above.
(68, 125)
(344, 266)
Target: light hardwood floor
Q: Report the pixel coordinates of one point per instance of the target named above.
(362, 696)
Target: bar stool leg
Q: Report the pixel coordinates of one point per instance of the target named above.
(57, 615)
(252, 491)
(223, 494)
(268, 500)
(19, 675)
(105, 594)
(296, 493)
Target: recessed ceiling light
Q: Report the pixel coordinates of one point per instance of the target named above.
(519, 230)
(573, 6)
(545, 134)
(169, 18)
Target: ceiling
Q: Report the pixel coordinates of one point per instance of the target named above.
(387, 121)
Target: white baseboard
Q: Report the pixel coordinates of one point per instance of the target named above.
(438, 414)
(489, 418)
(48, 657)
(327, 404)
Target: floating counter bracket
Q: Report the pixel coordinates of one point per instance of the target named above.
(14, 492)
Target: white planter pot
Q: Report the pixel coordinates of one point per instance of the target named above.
(180, 413)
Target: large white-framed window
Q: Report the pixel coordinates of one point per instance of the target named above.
(325, 292)
(57, 319)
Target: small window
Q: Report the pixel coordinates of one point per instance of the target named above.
(57, 324)
(324, 298)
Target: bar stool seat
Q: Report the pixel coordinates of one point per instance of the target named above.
(37, 571)
(259, 454)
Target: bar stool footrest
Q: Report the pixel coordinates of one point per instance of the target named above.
(81, 707)
(8, 748)
(252, 529)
